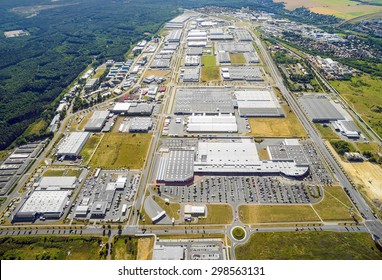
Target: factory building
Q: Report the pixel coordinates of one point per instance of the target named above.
(176, 166)
(56, 183)
(232, 47)
(190, 75)
(258, 103)
(320, 109)
(140, 125)
(192, 60)
(42, 203)
(243, 35)
(174, 36)
(194, 51)
(224, 57)
(97, 121)
(194, 211)
(72, 145)
(203, 100)
(91, 85)
(133, 109)
(212, 124)
(240, 73)
(347, 128)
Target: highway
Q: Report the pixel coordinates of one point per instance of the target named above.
(373, 224)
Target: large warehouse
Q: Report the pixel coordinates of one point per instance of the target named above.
(236, 47)
(203, 100)
(72, 145)
(212, 124)
(191, 75)
(240, 73)
(320, 109)
(133, 109)
(230, 156)
(97, 121)
(49, 204)
(57, 182)
(258, 103)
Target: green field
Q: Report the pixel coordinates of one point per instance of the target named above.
(89, 147)
(237, 58)
(51, 248)
(209, 60)
(250, 214)
(210, 73)
(335, 206)
(62, 172)
(364, 95)
(309, 246)
(220, 214)
(99, 73)
(121, 150)
(132, 248)
(327, 132)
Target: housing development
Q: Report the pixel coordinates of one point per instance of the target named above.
(199, 144)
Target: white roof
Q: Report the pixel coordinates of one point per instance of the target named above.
(73, 143)
(59, 181)
(45, 202)
(212, 124)
(256, 99)
(121, 106)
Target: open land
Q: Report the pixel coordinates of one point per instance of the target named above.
(118, 150)
(88, 149)
(51, 248)
(309, 245)
(132, 248)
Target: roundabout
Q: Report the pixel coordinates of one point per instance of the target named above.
(238, 233)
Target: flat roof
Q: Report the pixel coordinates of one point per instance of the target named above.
(140, 124)
(319, 108)
(191, 74)
(72, 144)
(235, 47)
(177, 166)
(248, 73)
(288, 152)
(203, 100)
(212, 124)
(261, 103)
(121, 107)
(64, 182)
(45, 202)
(162, 252)
(97, 120)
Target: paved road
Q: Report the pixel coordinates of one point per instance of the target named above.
(373, 224)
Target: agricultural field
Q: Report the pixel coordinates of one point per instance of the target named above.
(345, 9)
(327, 132)
(88, 150)
(238, 58)
(132, 248)
(209, 60)
(220, 214)
(289, 126)
(310, 245)
(363, 93)
(52, 248)
(251, 214)
(121, 150)
(335, 206)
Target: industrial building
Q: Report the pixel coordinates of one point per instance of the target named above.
(320, 109)
(192, 60)
(194, 51)
(56, 183)
(347, 128)
(121, 107)
(243, 35)
(235, 47)
(97, 121)
(203, 100)
(162, 63)
(258, 103)
(239, 73)
(91, 84)
(176, 166)
(162, 252)
(191, 75)
(193, 44)
(49, 204)
(133, 109)
(224, 57)
(194, 211)
(212, 124)
(174, 35)
(230, 156)
(252, 57)
(72, 145)
(140, 125)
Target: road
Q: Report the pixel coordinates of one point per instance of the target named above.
(373, 224)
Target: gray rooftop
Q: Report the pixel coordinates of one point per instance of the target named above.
(72, 144)
(319, 108)
(140, 124)
(248, 73)
(236, 47)
(97, 121)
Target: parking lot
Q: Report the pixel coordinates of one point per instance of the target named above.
(243, 189)
(112, 188)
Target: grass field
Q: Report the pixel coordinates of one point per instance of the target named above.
(89, 147)
(3, 154)
(335, 206)
(250, 214)
(237, 58)
(217, 214)
(364, 95)
(2, 200)
(345, 9)
(289, 126)
(171, 209)
(85, 121)
(63, 172)
(51, 248)
(209, 60)
(327, 132)
(309, 246)
(210, 73)
(99, 73)
(36, 128)
(132, 248)
(118, 150)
